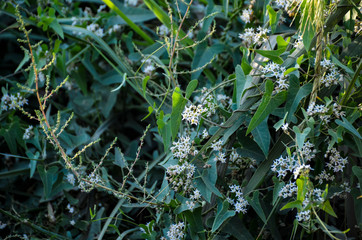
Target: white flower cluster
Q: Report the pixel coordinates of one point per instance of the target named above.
(195, 196)
(176, 231)
(283, 165)
(298, 42)
(288, 190)
(101, 8)
(205, 134)
(94, 27)
(217, 145)
(240, 202)
(193, 113)
(336, 162)
(337, 110)
(149, 67)
(220, 157)
(275, 70)
(332, 75)
(307, 151)
(252, 36)
(180, 176)
(28, 133)
(300, 169)
(246, 16)
(71, 178)
(10, 102)
(163, 30)
(115, 28)
(324, 175)
(181, 149)
(303, 216)
(93, 179)
(317, 195)
(320, 110)
(72, 222)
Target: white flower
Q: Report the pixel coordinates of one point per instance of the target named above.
(205, 134)
(301, 169)
(163, 30)
(2, 225)
(285, 127)
(181, 149)
(216, 146)
(70, 208)
(71, 178)
(176, 231)
(28, 133)
(288, 190)
(193, 113)
(303, 216)
(246, 16)
(72, 222)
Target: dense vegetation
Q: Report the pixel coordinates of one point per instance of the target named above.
(180, 120)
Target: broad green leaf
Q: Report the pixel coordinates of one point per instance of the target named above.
(194, 221)
(203, 57)
(295, 96)
(267, 105)
(347, 125)
(272, 18)
(300, 136)
(191, 88)
(295, 204)
(272, 54)
(222, 214)
(307, 27)
(178, 105)
(341, 65)
(57, 28)
(48, 177)
(255, 204)
(262, 136)
(240, 83)
(282, 44)
(328, 208)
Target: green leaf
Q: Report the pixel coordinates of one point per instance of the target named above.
(262, 136)
(191, 88)
(204, 56)
(57, 28)
(300, 136)
(295, 96)
(144, 83)
(299, 59)
(295, 204)
(48, 178)
(267, 105)
(272, 18)
(328, 208)
(222, 214)
(347, 125)
(255, 204)
(25, 60)
(277, 187)
(302, 188)
(178, 105)
(272, 54)
(32, 162)
(242, 83)
(194, 221)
